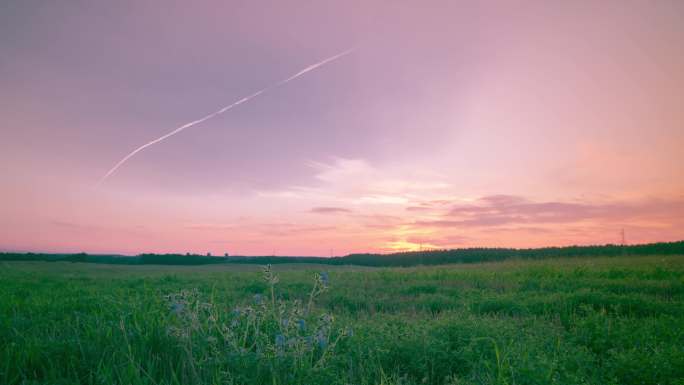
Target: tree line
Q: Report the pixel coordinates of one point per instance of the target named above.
(405, 259)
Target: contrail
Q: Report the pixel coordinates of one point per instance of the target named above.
(222, 110)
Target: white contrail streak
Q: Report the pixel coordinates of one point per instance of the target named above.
(222, 110)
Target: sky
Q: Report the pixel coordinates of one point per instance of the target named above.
(451, 124)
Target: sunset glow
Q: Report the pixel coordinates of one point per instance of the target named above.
(502, 124)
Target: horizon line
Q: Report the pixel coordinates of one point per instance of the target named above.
(345, 255)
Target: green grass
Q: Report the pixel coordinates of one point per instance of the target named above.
(562, 321)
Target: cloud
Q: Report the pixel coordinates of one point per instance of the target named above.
(499, 210)
(209, 226)
(518, 229)
(503, 200)
(76, 226)
(344, 182)
(435, 204)
(330, 210)
(293, 229)
(418, 208)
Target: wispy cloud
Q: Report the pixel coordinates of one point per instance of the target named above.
(419, 208)
(330, 210)
(499, 210)
(358, 182)
(293, 229)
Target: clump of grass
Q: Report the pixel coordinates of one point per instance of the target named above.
(273, 335)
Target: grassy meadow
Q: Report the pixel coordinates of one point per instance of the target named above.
(617, 320)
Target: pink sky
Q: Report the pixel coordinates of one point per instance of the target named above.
(452, 124)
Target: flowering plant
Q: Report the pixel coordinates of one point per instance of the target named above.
(267, 329)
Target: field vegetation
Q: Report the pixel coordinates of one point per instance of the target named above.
(600, 320)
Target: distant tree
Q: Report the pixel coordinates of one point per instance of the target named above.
(80, 257)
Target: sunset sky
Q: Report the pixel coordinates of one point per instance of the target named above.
(451, 124)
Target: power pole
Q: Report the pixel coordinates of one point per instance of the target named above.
(622, 235)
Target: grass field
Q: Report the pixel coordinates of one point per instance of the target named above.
(561, 321)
